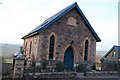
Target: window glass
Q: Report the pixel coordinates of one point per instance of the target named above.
(51, 47)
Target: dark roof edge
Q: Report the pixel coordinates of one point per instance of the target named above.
(29, 35)
(88, 24)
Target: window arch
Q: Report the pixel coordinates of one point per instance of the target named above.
(51, 47)
(86, 51)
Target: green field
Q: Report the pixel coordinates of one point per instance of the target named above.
(7, 51)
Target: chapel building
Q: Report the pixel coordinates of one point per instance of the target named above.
(67, 37)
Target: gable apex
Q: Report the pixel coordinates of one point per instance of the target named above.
(57, 16)
(116, 48)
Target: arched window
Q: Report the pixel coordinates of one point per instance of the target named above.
(51, 47)
(25, 48)
(30, 48)
(86, 51)
(26, 45)
(113, 54)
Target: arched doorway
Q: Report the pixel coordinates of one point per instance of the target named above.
(69, 58)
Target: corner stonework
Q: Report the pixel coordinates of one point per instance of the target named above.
(19, 61)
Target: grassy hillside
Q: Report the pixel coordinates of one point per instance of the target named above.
(8, 50)
(6, 57)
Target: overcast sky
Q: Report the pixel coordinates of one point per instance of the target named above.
(19, 17)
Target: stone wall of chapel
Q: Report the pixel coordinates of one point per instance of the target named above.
(64, 34)
(34, 46)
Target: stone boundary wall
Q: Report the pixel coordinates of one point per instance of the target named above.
(102, 73)
(53, 75)
(70, 74)
(97, 75)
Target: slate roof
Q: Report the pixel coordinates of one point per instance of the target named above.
(117, 48)
(55, 17)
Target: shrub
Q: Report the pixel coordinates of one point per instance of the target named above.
(37, 69)
(93, 67)
(29, 70)
(60, 66)
(80, 68)
(33, 63)
(44, 65)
